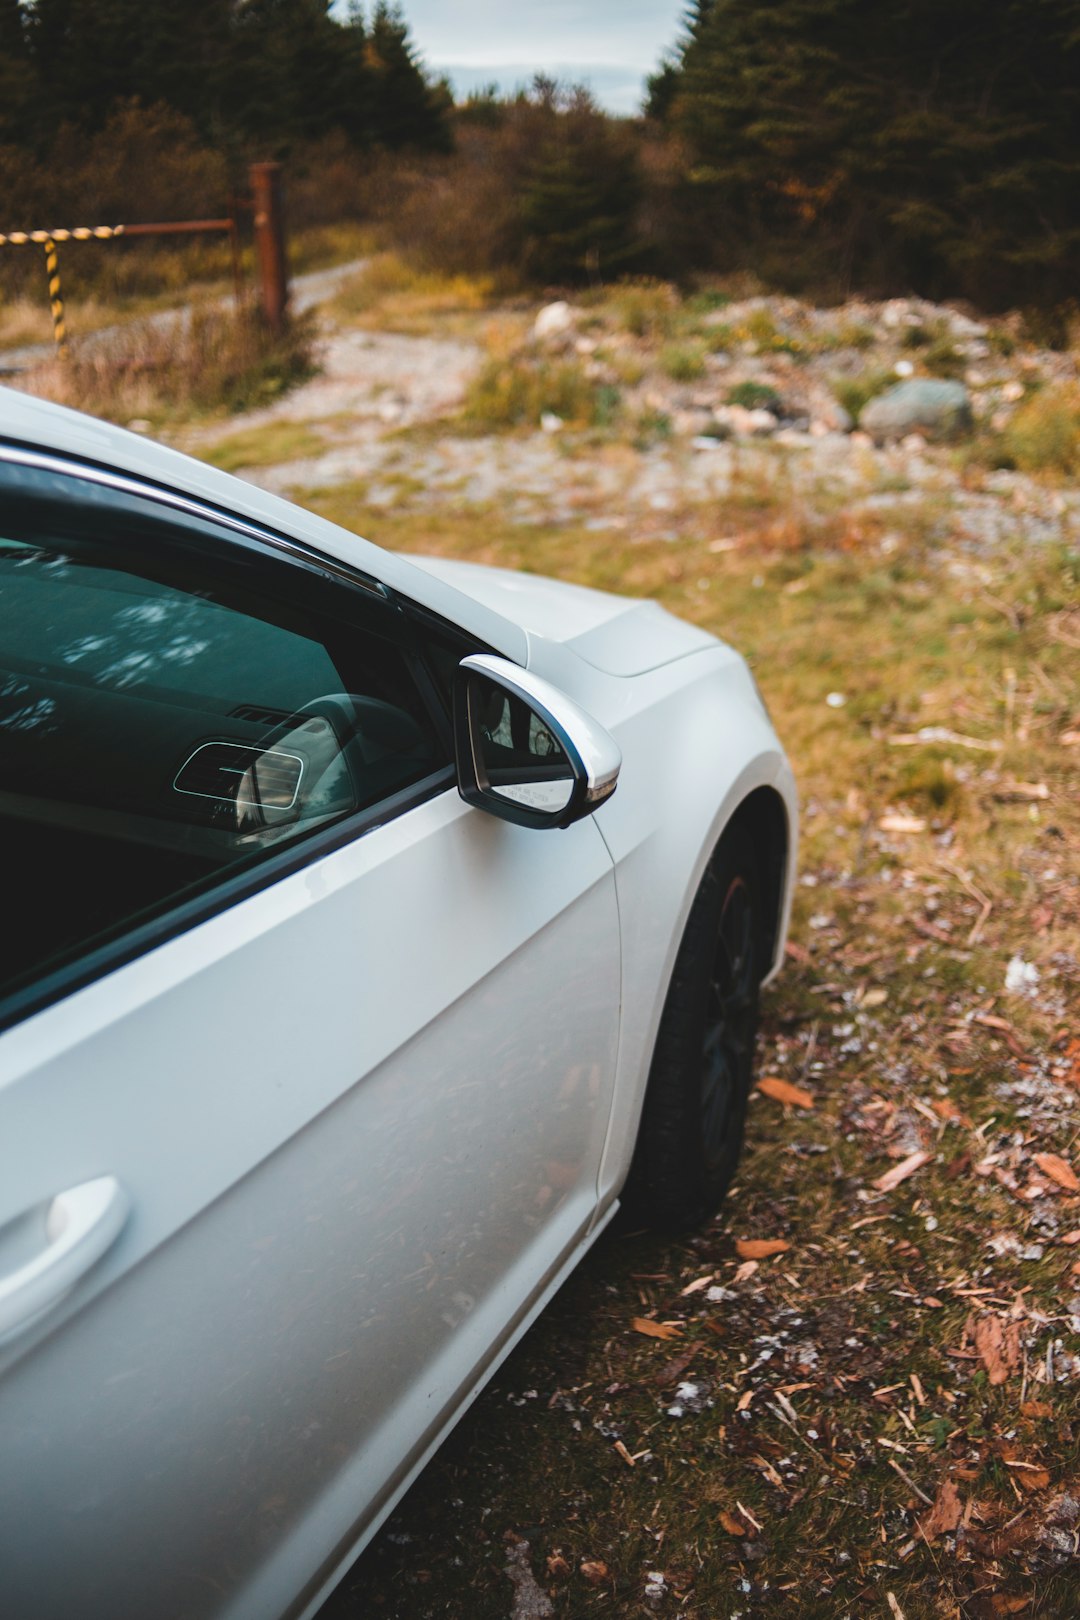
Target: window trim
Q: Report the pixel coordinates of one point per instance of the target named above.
(223, 892)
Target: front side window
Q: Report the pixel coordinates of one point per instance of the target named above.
(168, 717)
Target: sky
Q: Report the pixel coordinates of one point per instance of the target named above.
(610, 44)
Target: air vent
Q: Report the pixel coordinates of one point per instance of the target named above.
(233, 773)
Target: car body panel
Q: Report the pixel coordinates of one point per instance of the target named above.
(368, 1116)
(614, 633)
(295, 1150)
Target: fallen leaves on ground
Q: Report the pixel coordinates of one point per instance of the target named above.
(900, 1172)
(945, 1514)
(1059, 1170)
(655, 1330)
(783, 1091)
(997, 1344)
(760, 1248)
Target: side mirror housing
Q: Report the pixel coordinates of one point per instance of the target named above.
(525, 751)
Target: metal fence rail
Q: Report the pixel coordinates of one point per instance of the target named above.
(269, 236)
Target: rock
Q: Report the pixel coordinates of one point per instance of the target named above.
(1013, 391)
(585, 346)
(705, 441)
(744, 423)
(550, 423)
(913, 442)
(904, 368)
(938, 409)
(553, 320)
(688, 424)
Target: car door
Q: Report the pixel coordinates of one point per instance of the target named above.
(308, 1065)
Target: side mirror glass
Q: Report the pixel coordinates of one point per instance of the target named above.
(525, 751)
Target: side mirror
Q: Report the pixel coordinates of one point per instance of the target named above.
(525, 751)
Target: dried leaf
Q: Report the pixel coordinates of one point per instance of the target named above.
(875, 997)
(745, 1271)
(1071, 1237)
(902, 824)
(769, 1471)
(900, 1172)
(744, 1399)
(1036, 1409)
(1009, 1605)
(998, 1346)
(624, 1454)
(760, 1248)
(1033, 1479)
(655, 1330)
(594, 1570)
(736, 1526)
(945, 1514)
(1057, 1168)
(946, 1109)
(672, 1371)
(557, 1567)
(696, 1286)
(783, 1091)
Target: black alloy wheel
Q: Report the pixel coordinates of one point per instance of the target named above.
(692, 1123)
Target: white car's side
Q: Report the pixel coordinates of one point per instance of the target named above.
(300, 1131)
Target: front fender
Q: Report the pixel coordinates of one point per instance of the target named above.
(696, 742)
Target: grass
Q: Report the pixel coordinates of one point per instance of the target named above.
(755, 396)
(1044, 434)
(683, 362)
(205, 363)
(855, 392)
(774, 1492)
(518, 389)
(265, 446)
(396, 296)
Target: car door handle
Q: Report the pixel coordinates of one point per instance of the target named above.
(80, 1225)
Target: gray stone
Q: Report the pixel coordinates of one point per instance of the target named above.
(940, 410)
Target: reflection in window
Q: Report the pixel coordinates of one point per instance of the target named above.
(162, 726)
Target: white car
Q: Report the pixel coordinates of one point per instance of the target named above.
(372, 927)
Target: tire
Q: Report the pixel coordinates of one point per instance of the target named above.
(692, 1122)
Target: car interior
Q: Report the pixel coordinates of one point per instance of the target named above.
(154, 734)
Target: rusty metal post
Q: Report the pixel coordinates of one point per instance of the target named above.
(270, 242)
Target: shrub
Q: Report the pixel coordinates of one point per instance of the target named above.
(647, 309)
(683, 363)
(754, 396)
(652, 427)
(210, 360)
(855, 392)
(1044, 434)
(515, 391)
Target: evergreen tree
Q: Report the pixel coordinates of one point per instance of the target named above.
(19, 93)
(402, 107)
(935, 142)
(580, 191)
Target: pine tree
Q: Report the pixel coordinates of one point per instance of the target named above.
(580, 192)
(930, 142)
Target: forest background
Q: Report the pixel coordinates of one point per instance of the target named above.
(825, 145)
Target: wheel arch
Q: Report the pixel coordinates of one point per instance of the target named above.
(764, 815)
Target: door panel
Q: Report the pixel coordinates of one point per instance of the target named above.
(359, 1118)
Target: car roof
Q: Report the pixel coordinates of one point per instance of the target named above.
(41, 425)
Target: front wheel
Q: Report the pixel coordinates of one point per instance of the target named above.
(695, 1105)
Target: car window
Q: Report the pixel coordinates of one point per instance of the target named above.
(173, 711)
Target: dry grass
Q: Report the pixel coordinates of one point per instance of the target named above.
(1044, 434)
(395, 296)
(205, 362)
(834, 1391)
